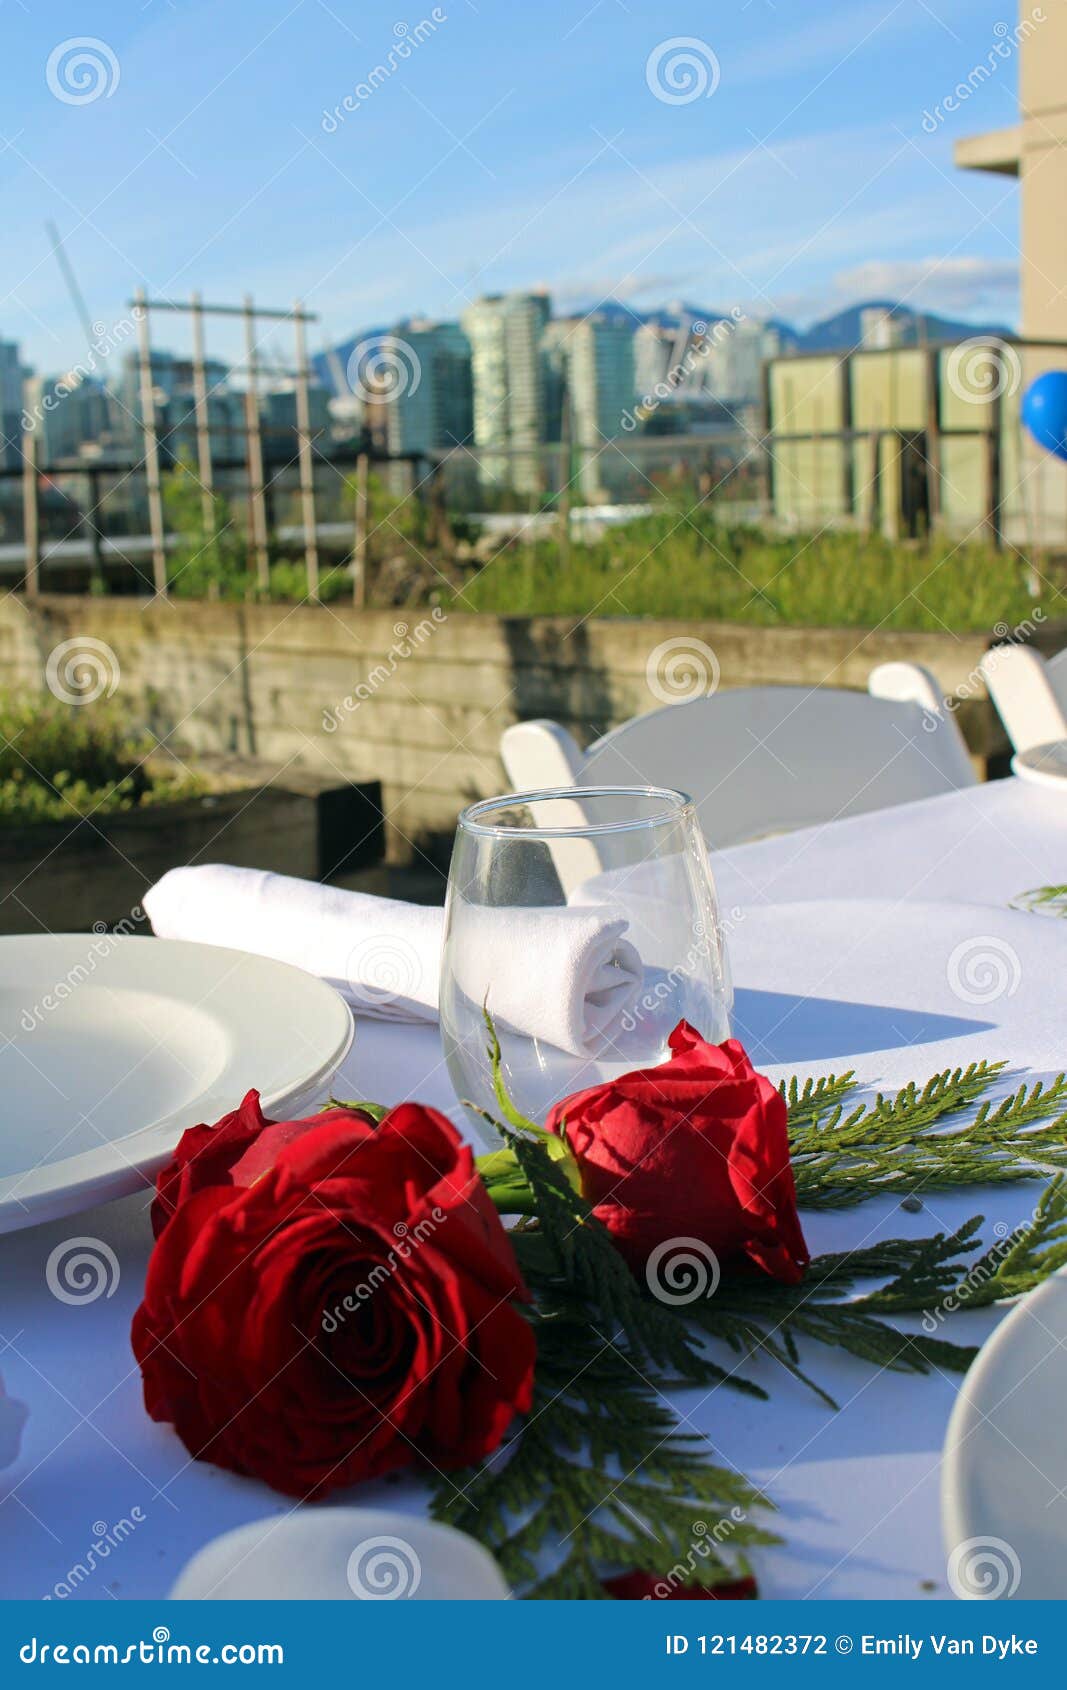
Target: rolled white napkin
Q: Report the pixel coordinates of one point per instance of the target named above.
(567, 976)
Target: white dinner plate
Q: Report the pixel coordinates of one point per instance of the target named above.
(342, 1555)
(1004, 1473)
(111, 1046)
(1044, 764)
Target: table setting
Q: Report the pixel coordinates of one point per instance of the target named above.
(638, 1225)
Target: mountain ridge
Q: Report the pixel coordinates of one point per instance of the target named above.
(840, 332)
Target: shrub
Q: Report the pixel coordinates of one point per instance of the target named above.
(59, 761)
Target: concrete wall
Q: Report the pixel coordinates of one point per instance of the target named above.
(419, 699)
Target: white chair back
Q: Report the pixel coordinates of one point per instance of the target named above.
(762, 760)
(1030, 694)
(912, 683)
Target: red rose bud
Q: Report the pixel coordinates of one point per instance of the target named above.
(351, 1309)
(644, 1587)
(694, 1154)
(234, 1152)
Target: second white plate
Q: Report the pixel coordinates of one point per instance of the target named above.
(1044, 764)
(1004, 1473)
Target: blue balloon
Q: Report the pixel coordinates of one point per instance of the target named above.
(1045, 411)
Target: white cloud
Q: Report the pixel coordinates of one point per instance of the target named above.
(939, 284)
(823, 44)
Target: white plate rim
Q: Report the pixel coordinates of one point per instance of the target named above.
(103, 1172)
(1026, 770)
(957, 1523)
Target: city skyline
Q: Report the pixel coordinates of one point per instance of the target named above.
(497, 380)
(225, 174)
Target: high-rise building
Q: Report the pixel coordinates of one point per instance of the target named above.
(599, 359)
(735, 359)
(175, 406)
(11, 376)
(510, 410)
(75, 410)
(431, 407)
(654, 349)
(880, 328)
(554, 354)
(279, 417)
(1033, 149)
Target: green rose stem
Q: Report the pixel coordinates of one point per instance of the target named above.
(505, 1181)
(507, 1185)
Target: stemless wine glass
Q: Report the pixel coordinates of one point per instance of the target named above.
(584, 920)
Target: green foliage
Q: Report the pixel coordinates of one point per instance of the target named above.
(210, 559)
(1044, 900)
(60, 761)
(289, 582)
(680, 561)
(600, 1477)
(891, 1145)
(392, 517)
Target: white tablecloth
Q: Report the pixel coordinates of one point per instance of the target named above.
(871, 987)
(986, 844)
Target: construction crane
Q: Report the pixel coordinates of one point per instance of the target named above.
(71, 280)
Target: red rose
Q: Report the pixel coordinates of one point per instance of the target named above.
(235, 1151)
(644, 1587)
(351, 1309)
(697, 1148)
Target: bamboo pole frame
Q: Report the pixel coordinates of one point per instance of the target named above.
(31, 515)
(151, 446)
(203, 425)
(258, 522)
(306, 457)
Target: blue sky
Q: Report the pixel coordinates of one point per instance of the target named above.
(516, 145)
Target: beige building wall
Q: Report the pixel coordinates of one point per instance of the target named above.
(1043, 170)
(1035, 151)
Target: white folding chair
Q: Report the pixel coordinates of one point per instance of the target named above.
(1029, 692)
(761, 760)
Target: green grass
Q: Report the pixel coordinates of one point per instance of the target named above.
(59, 761)
(687, 567)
